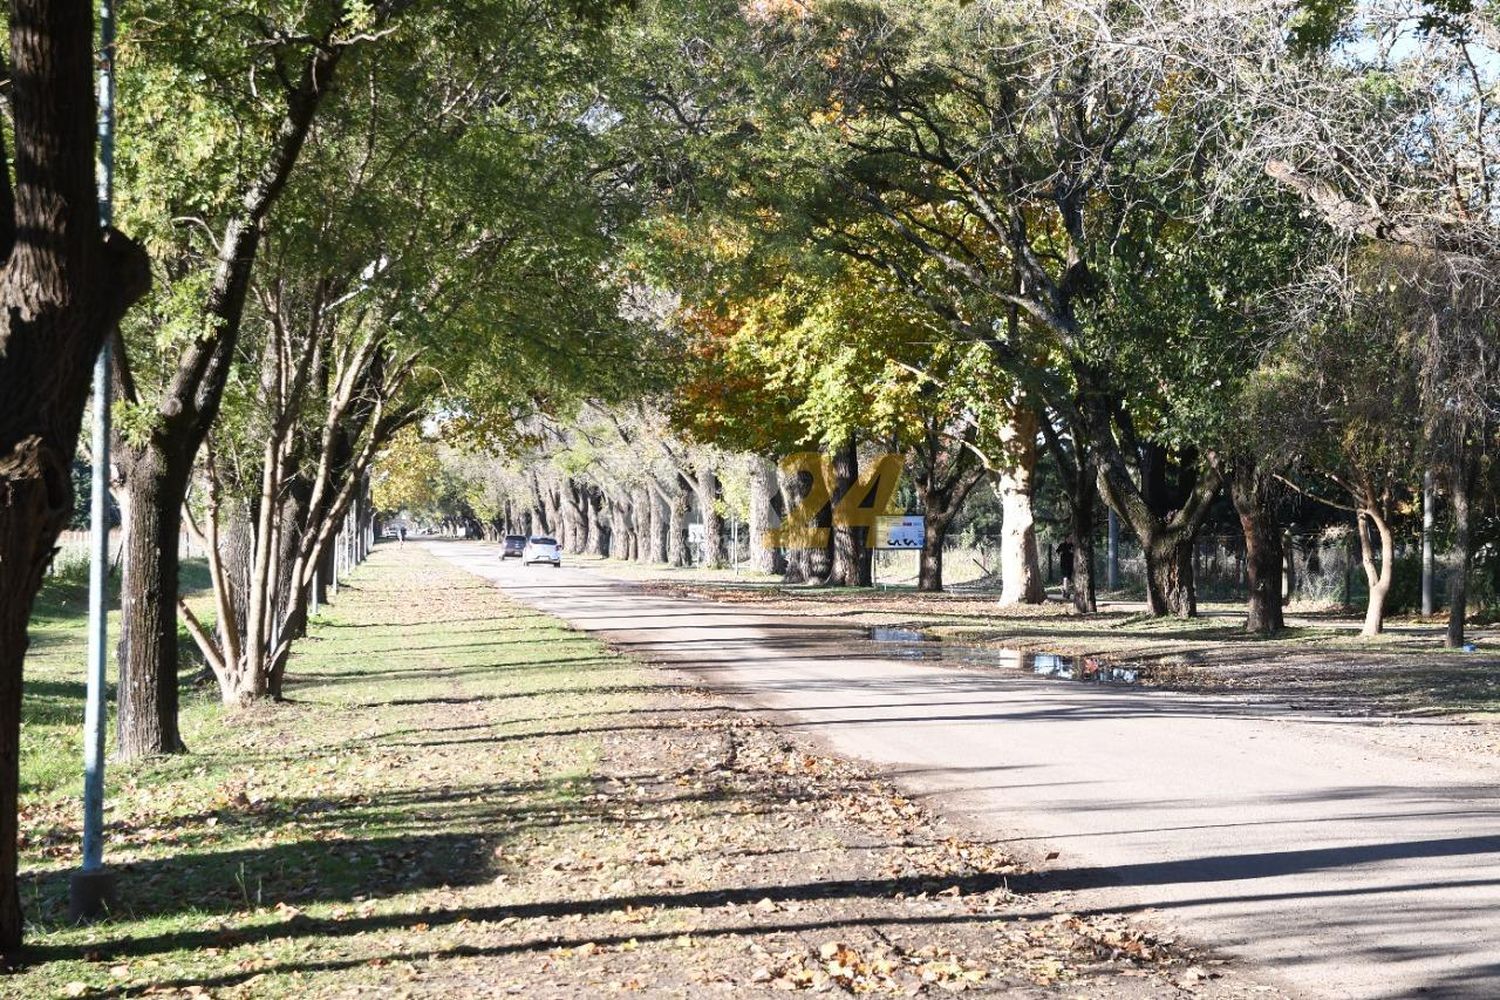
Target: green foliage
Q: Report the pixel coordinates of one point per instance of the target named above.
(1318, 23)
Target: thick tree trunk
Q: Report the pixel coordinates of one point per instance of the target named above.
(1249, 490)
(1170, 589)
(654, 550)
(601, 531)
(574, 519)
(63, 287)
(620, 531)
(24, 546)
(645, 508)
(799, 554)
(714, 553)
(764, 556)
(147, 717)
(677, 527)
(1020, 561)
(934, 536)
(1458, 560)
(850, 566)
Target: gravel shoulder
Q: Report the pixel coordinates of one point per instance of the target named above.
(1319, 662)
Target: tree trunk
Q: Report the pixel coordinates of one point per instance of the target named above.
(23, 559)
(601, 534)
(1378, 577)
(1289, 562)
(1458, 559)
(147, 693)
(677, 527)
(1249, 490)
(1169, 574)
(647, 525)
(574, 519)
(64, 285)
(655, 550)
(930, 561)
(850, 568)
(1020, 561)
(714, 553)
(1085, 599)
(763, 554)
(798, 554)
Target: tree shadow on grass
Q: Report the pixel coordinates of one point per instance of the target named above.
(324, 865)
(296, 873)
(728, 911)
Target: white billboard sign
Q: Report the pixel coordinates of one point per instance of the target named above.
(900, 531)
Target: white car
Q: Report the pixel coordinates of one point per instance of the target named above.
(541, 550)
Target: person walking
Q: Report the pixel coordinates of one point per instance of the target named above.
(401, 535)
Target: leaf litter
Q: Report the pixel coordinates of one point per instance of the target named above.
(516, 825)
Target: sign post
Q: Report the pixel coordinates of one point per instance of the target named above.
(900, 532)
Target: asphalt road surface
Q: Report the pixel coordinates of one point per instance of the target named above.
(1344, 857)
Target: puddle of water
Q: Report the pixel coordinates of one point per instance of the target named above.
(881, 634)
(910, 644)
(906, 644)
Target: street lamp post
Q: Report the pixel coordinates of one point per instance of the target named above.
(91, 888)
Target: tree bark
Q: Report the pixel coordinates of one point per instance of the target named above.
(677, 526)
(799, 557)
(1289, 563)
(601, 531)
(850, 567)
(1459, 559)
(1084, 497)
(714, 553)
(64, 284)
(764, 557)
(574, 518)
(1170, 587)
(1249, 489)
(934, 536)
(1378, 576)
(1020, 561)
(620, 530)
(149, 662)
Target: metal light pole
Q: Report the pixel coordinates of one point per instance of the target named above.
(91, 888)
(1112, 576)
(1429, 496)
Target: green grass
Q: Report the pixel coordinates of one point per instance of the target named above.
(52, 728)
(419, 735)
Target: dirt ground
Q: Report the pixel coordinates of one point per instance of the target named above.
(1319, 661)
(708, 854)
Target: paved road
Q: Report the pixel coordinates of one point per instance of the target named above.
(1348, 858)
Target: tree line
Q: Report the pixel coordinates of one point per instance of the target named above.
(1183, 254)
(624, 258)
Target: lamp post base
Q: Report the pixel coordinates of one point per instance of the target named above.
(91, 894)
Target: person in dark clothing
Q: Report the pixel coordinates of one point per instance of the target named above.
(1065, 563)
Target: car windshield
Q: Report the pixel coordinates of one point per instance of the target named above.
(544, 541)
(516, 538)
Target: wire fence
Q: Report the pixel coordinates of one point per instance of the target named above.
(74, 549)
